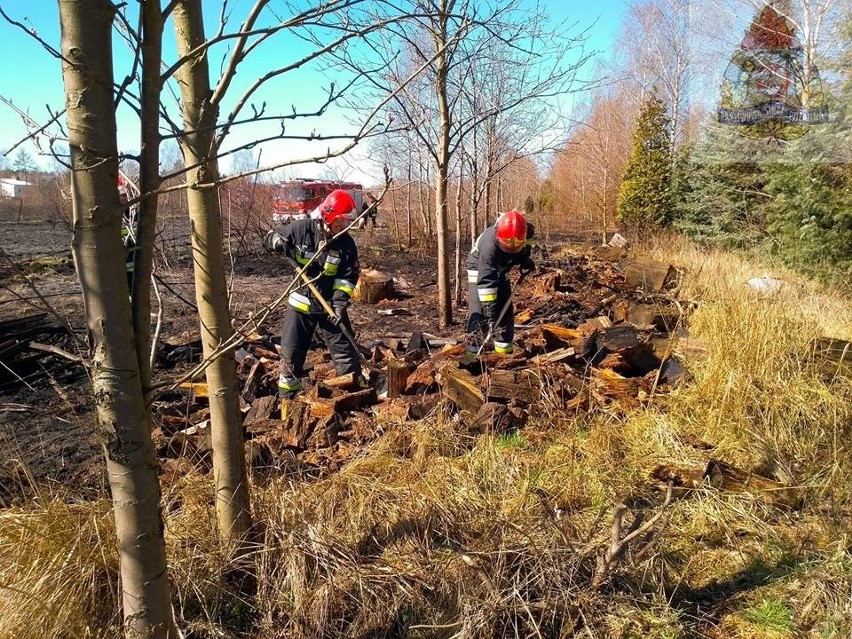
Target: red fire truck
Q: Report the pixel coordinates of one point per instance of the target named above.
(297, 198)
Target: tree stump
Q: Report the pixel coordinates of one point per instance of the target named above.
(373, 286)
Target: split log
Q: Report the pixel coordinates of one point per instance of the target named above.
(523, 386)
(524, 316)
(326, 406)
(342, 382)
(560, 337)
(325, 432)
(610, 384)
(610, 253)
(261, 409)
(496, 419)
(558, 355)
(649, 275)
(460, 388)
(198, 389)
(373, 286)
(657, 316)
(596, 323)
(397, 377)
(252, 380)
(423, 379)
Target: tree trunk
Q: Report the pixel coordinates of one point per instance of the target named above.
(445, 309)
(149, 180)
(99, 258)
(199, 117)
(461, 277)
(408, 202)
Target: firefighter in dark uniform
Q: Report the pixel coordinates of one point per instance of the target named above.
(337, 268)
(129, 225)
(496, 251)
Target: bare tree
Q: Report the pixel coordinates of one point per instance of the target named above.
(99, 257)
(451, 37)
(200, 114)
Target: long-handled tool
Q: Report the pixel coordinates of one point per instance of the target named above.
(379, 379)
(503, 310)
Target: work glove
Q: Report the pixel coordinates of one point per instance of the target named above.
(526, 267)
(274, 242)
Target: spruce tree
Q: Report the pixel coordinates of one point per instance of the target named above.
(645, 197)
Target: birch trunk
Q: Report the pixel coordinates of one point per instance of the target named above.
(99, 259)
(199, 117)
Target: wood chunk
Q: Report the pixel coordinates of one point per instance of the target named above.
(610, 384)
(415, 342)
(523, 386)
(397, 377)
(198, 389)
(423, 379)
(497, 419)
(649, 275)
(252, 380)
(552, 357)
(357, 400)
(618, 338)
(524, 316)
(342, 382)
(460, 388)
(610, 253)
(261, 408)
(373, 286)
(560, 337)
(657, 316)
(596, 323)
(297, 423)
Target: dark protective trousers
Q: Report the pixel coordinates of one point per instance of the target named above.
(296, 337)
(478, 323)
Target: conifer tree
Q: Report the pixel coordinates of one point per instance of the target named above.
(645, 197)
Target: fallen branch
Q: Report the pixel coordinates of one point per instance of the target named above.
(618, 544)
(50, 348)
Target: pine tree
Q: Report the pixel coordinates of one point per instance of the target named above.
(645, 197)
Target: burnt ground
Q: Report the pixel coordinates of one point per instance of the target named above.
(48, 432)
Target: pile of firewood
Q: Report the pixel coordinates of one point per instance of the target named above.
(34, 348)
(588, 334)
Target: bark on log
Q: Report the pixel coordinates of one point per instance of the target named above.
(461, 388)
(496, 419)
(649, 275)
(373, 286)
(261, 408)
(397, 377)
(523, 386)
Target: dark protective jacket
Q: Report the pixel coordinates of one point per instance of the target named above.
(488, 264)
(338, 264)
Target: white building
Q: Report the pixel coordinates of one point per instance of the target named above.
(10, 187)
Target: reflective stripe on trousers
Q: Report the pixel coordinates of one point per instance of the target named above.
(300, 302)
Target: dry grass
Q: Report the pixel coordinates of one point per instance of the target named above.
(432, 533)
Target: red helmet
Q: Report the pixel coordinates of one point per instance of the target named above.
(337, 204)
(512, 231)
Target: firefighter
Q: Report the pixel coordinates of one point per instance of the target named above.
(337, 271)
(496, 251)
(129, 225)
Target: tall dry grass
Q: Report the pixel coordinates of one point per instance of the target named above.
(434, 533)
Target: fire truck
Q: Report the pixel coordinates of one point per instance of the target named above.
(298, 198)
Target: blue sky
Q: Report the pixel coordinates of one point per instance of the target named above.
(31, 77)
